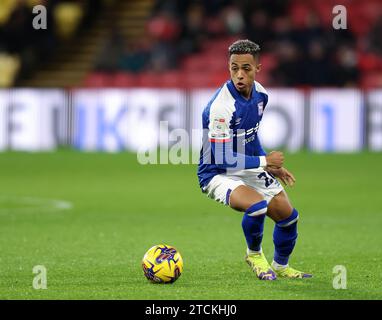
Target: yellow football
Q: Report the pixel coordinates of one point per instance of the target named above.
(162, 264)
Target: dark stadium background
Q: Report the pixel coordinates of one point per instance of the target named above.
(81, 98)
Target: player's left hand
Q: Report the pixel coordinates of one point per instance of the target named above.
(283, 174)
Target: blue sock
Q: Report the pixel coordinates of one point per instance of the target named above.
(253, 225)
(284, 238)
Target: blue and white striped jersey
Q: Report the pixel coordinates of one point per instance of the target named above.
(230, 125)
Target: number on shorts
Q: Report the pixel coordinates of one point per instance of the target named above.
(268, 180)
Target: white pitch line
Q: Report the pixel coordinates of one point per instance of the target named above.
(21, 204)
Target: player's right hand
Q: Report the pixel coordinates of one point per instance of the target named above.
(275, 159)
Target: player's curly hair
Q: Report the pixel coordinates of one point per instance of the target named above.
(244, 47)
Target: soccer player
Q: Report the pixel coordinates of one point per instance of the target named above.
(235, 170)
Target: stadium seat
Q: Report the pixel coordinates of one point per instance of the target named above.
(218, 46)
(298, 13)
(193, 62)
(213, 62)
(9, 66)
(370, 62)
(218, 78)
(171, 79)
(97, 80)
(124, 79)
(324, 10)
(268, 62)
(149, 79)
(68, 17)
(198, 80)
(372, 80)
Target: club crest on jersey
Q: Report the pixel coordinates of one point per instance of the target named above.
(220, 126)
(260, 107)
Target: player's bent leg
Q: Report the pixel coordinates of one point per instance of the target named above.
(284, 236)
(246, 199)
(243, 197)
(279, 207)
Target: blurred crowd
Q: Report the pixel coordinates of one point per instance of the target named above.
(299, 46)
(297, 41)
(22, 47)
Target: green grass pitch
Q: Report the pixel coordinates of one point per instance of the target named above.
(120, 209)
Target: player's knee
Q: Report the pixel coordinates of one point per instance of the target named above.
(257, 209)
(291, 220)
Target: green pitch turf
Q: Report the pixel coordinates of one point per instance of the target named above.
(93, 250)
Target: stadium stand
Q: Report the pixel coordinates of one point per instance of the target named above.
(299, 45)
(33, 48)
(168, 43)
